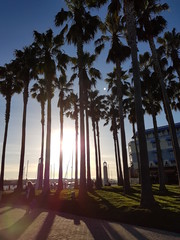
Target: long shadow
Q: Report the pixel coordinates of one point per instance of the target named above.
(15, 230)
(134, 232)
(6, 210)
(46, 227)
(101, 230)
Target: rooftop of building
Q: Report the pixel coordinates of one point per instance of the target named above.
(160, 129)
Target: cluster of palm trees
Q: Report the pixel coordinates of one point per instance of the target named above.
(150, 84)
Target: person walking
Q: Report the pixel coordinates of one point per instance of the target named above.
(30, 196)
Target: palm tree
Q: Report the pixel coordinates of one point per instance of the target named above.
(46, 51)
(8, 86)
(91, 75)
(83, 28)
(64, 88)
(147, 199)
(96, 109)
(150, 26)
(25, 65)
(111, 115)
(170, 79)
(73, 112)
(129, 108)
(151, 100)
(38, 92)
(171, 42)
(118, 53)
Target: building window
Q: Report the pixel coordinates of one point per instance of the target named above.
(171, 154)
(169, 143)
(153, 144)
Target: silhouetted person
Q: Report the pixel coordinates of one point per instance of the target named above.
(30, 195)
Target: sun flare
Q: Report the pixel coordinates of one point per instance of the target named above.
(68, 150)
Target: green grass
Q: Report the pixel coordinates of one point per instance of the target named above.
(111, 203)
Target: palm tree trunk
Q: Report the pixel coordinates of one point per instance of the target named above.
(96, 154)
(76, 153)
(89, 185)
(116, 158)
(48, 150)
(99, 154)
(168, 111)
(21, 167)
(147, 199)
(42, 146)
(137, 153)
(82, 188)
(60, 181)
(119, 161)
(7, 116)
(123, 137)
(162, 187)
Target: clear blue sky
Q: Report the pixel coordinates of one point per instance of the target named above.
(18, 20)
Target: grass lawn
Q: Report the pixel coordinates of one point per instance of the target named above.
(111, 203)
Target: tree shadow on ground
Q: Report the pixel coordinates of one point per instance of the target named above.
(18, 228)
(8, 208)
(102, 229)
(46, 227)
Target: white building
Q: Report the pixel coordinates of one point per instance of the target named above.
(166, 149)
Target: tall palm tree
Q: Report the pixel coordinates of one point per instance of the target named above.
(25, 65)
(129, 109)
(151, 25)
(8, 86)
(151, 100)
(111, 115)
(83, 28)
(147, 199)
(46, 51)
(38, 91)
(170, 79)
(91, 75)
(171, 42)
(73, 112)
(96, 112)
(64, 88)
(117, 82)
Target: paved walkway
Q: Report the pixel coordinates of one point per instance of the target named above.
(49, 225)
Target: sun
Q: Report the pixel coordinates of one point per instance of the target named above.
(68, 150)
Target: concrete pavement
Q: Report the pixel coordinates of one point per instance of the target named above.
(15, 224)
